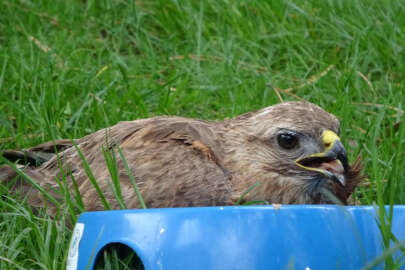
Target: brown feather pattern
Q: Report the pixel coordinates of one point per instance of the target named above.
(180, 162)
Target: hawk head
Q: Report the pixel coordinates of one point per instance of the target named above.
(294, 151)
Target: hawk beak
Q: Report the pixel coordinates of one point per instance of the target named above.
(332, 163)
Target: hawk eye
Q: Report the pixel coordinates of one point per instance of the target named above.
(287, 140)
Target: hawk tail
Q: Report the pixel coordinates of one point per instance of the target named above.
(7, 174)
(28, 161)
(11, 182)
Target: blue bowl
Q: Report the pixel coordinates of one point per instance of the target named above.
(254, 237)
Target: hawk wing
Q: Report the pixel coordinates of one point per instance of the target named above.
(176, 162)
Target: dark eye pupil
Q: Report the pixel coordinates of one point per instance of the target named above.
(287, 141)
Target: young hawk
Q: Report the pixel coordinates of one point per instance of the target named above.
(291, 150)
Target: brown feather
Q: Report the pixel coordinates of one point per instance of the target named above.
(188, 162)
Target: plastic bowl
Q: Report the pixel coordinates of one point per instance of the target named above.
(254, 237)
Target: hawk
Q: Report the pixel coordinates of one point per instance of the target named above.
(289, 153)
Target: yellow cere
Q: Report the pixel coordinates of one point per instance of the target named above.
(328, 138)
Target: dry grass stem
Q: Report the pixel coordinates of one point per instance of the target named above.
(399, 111)
(362, 131)
(367, 81)
(201, 58)
(276, 90)
(46, 49)
(313, 79)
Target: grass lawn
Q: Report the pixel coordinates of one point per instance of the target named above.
(68, 68)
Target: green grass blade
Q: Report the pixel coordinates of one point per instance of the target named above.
(78, 196)
(132, 179)
(31, 181)
(388, 253)
(92, 178)
(249, 189)
(111, 163)
(10, 262)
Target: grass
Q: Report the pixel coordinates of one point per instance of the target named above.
(68, 68)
